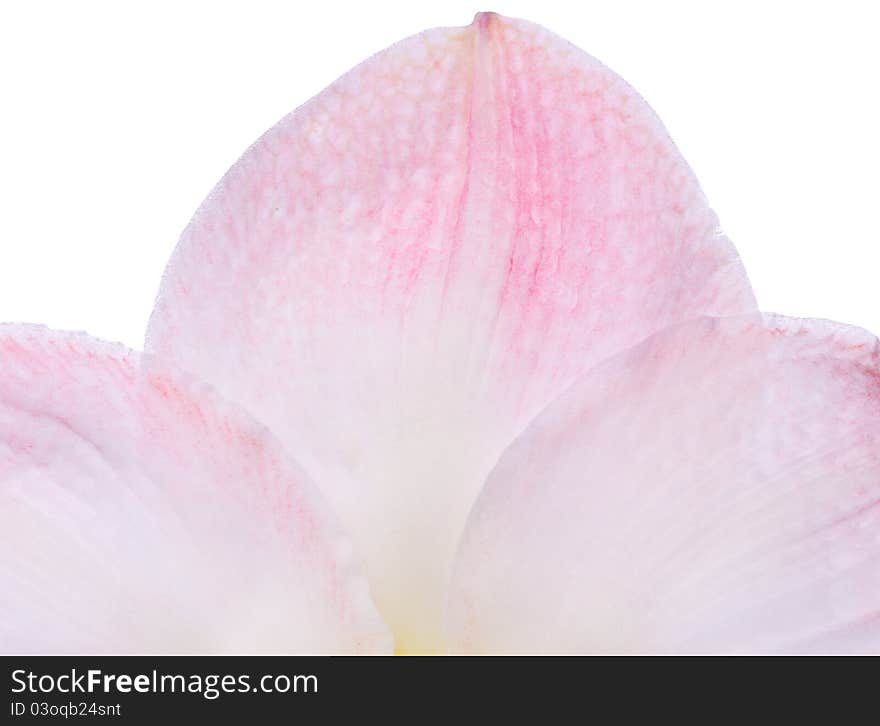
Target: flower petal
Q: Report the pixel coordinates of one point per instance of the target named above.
(139, 514)
(401, 273)
(716, 488)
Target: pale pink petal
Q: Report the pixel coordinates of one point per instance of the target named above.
(401, 273)
(141, 514)
(716, 488)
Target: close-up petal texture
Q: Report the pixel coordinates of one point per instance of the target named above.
(399, 275)
(716, 488)
(142, 514)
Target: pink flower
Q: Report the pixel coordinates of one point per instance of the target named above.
(483, 307)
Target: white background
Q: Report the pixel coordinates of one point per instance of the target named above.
(117, 118)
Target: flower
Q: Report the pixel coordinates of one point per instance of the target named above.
(498, 339)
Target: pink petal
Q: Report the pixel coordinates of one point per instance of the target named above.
(140, 514)
(401, 273)
(716, 488)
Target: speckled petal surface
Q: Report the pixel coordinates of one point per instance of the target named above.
(716, 488)
(139, 513)
(399, 275)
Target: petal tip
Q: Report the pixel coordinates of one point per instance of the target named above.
(484, 19)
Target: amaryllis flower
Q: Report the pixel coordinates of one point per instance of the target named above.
(454, 358)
